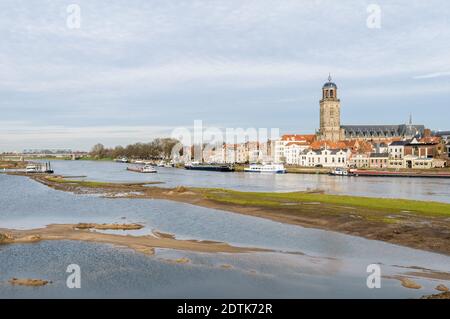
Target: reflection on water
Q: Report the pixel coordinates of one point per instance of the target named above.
(108, 272)
(410, 188)
(334, 265)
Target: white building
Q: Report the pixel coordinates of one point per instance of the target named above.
(326, 158)
(396, 149)
(280, 156)
(293, 152)
(360, 160)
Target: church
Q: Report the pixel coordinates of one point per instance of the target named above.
(332, 130)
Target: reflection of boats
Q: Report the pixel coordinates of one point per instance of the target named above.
(266, 168)
(39, 168)
(142, 169)
(209, 167)
(341, 172)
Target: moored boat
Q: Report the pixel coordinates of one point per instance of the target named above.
(121, 160)
(341, 172)
(209, 167)
(142, 169)
(39, 168)
(266, 168)
(32, 168)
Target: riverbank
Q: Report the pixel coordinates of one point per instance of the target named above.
(416, 224)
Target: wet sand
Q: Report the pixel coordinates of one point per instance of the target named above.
(420, 231)
(28, 282)
(142, 244)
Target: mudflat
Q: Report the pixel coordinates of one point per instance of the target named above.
(415, 224)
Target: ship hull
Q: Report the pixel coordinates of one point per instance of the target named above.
(210, 168)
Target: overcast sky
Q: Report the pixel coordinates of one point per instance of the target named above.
(137, 69)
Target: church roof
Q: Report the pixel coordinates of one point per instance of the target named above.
(329, 84)
(392, 130)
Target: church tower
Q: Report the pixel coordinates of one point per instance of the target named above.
(330, 113)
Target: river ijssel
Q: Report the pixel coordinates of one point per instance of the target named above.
(306, 263)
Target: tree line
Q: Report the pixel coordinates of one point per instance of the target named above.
(159, 148)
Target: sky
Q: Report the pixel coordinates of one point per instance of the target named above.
(135, 70)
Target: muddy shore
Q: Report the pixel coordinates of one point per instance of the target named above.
(426, 231)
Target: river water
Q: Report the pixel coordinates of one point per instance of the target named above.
(307, 263)
(409, 188)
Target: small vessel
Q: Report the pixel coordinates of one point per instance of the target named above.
(121, 160)
(266, 168)
(341, 172)
(32, 168)
(39, 168)
(161, 164)
(210, 167)
(47, 168)
(142, 169)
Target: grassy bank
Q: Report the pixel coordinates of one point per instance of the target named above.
(93, 184)
(285, 200)
(382, 205)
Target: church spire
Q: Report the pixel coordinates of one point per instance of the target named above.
(329, 77)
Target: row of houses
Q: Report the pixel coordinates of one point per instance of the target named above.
(307, 151)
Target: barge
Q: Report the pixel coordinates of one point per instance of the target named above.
(210, 167)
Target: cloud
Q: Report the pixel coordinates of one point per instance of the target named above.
(139, 62)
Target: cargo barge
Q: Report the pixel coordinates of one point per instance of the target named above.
(210, 167)
(371, 173)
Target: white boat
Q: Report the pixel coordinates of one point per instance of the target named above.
(39, 168)
(340, 172)
(161, 164)
(32, 168)
(266, 168)
(121, 160)
(148, 169)
(142, 169)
